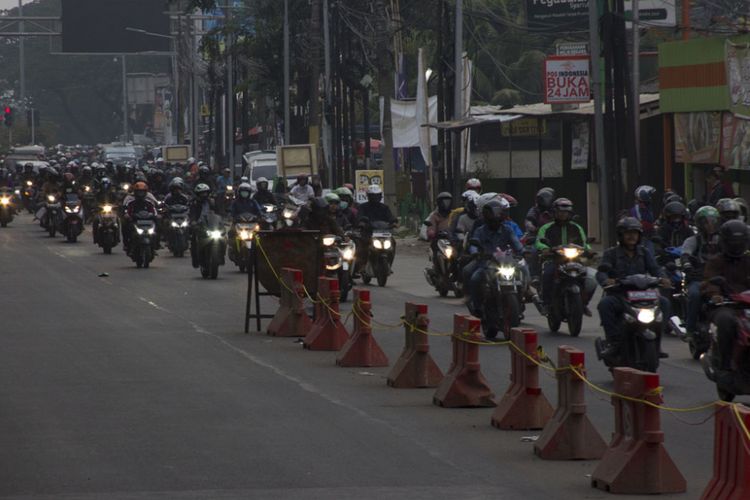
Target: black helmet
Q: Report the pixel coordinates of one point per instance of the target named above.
(319, 203)
(728, 209)
(733, 238)
(672, 197)
(204, 171)
(493, 212)
(628, 224)
(444, 202)
(674, 208)
(545, 197)
(645, 193)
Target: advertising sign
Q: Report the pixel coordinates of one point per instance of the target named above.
(579, 159)
(735, 151)
(364, 179)
(738, 77)
(658, 13)
(557, 13)
(566, 80)
(697, 137)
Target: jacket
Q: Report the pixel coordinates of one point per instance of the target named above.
(621, 265)
(735, 271)
(439, 222)
(490, 240)
(375, 212)
(561, 234)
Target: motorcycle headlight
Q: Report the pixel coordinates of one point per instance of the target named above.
(268, 208)
(87, 189)
(214, 234)
(329, 240)
(17, 191)
(29, 183)
(571, 253)
(184, 223)
(246, 234)
(126, 187)
(387, 244)
(175, 224)
(447, 251)
(4, 200)
(507, 272)
(68, 210)
(646, 316)
(230, 189)
(288, 213)
(139, 230)
(348, 253)
(377, 244)
(151, 230)
(107, 209)
(51, 198)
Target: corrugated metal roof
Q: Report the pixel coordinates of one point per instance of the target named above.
(545, 110)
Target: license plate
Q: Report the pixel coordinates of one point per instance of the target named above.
(642, 295)
(345, 265)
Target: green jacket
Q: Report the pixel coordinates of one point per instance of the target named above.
(561, 234)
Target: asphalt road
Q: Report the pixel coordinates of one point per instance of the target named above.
(141, 384)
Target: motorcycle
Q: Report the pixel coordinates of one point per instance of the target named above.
(442, 274)
(740, 364)
(244, 229)
(89, 202)
(503, 291)
(142, 242)
(290, 213)
(7, 208)
(338, 256)
(52, 218)
(669, 258)
(380, 253)
(641, 323)
(270, 216)
(700, 340)
(211, 245)
(108, 229)
(177, 229)
(28, 195)
(72, 223)
(569, 284)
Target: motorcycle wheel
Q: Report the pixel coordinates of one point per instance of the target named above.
(72, 238)
(214, 271)
(442, 291)
(344, 286)
(650, 354)
(138, 260)
(146, 258)
(204, 272)
(51, 231)
(724, 394)
(575, 313)
(511, 314)
(553, 319)
(381, 273)
(366, 278)
(694, 351)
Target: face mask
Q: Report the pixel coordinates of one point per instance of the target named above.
(344, 205)
(245, 194)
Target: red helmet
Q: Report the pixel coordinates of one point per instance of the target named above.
(473, 184)
(68, 177)
(140, 186)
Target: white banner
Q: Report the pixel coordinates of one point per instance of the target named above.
(566, 80)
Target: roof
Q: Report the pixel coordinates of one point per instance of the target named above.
(472, 121)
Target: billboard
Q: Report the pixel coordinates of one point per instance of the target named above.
(566, 80)
(99, 26)
(557, 13)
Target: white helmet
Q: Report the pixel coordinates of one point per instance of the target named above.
(374, 189)
(160, 160)
(470, 195)
(483, 199)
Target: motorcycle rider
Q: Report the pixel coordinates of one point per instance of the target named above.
(176, 195)
(439, 218)
(200, 207)
(561, 231)
(642, 210)
(473, 184)
(264, 196)
(464, 223)
(223, 184)
(733, 265)
(492, 235)
(374, 209)
(204, 177)
(244, 203)
(322, 218)
(107, 195)
(346, 206)
(140, 203)
(334, 207)
(541, 213)
(629, 257)
(675, 229)
(302, 190)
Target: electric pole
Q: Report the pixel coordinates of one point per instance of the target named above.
(287, 114)
(599, 150)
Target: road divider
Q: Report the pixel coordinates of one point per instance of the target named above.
(731, 476)
(464, 386)
(362, 350)
(636, 461)
(290, 319)
(415, 367)
(569, 434)
(327, 333)
(523, 406)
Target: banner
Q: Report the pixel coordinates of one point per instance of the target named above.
(652, 13)
(566, 80)
(738, 77)
(697, 137)
(735, 151)
(364, 179)
(557, 13)
(580, 146)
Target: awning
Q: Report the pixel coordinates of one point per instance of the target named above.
(648, 102)
(472, 121)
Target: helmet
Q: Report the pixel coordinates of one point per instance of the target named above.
(493, 212)
(733, 238)
(319, 204)
(743, 208)
(628, 224)
(202, 190)
(86, 171)
(244, 190)
(474, 184)
(177, 182)
(68, 178)
(261, 183)
(545, 197)
(469, 194)
(645, 193)
(106, 183)
(244, 178)
(562, 205)
(332, 198)
(674, 208)
(204, 171)
(728, 209)
(510, 199)
(160, 160)
(140, 186)
(344, 191)
(28, 167)
(302, 178)
(227, 171)
(190, 160)
(707, 220)
(444, 202)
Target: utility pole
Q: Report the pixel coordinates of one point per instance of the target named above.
(314, 118)
(327, 62)
(636, 90)
(287, 114)
(21, 57)
(599, 151)
(124, 99)
(230, 96)
(385, 89)
(33, 126)
(458, 98)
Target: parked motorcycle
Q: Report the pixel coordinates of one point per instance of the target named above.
(442, 274)
(642, 321)
(569, 284)
(142, 241)
(503, 291)
(107, 229)
(740, 364)
(7, 207)
(338, 256)
(211, 245)
(177, 229)
(72, 223)
(244, 229)
(381, 251)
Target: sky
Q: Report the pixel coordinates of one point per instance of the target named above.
(9, 4)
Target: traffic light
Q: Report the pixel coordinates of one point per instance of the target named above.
(8, 116)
